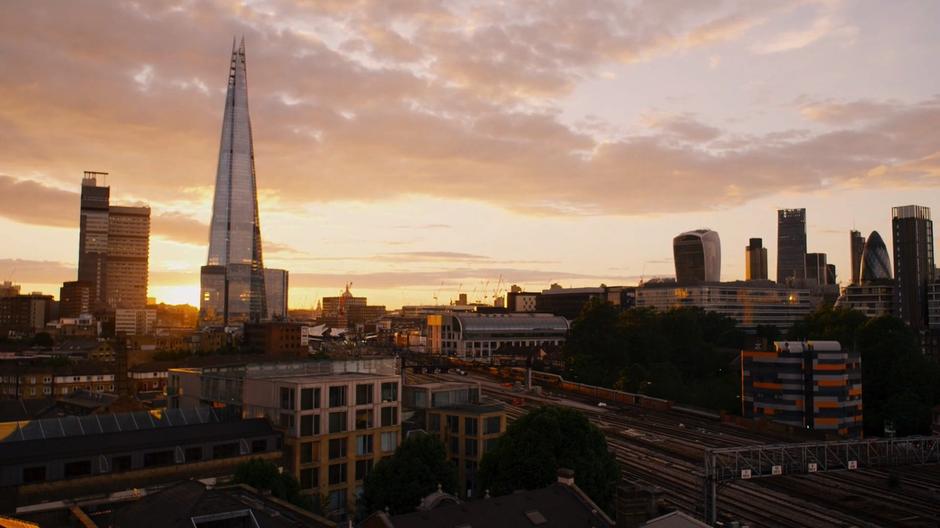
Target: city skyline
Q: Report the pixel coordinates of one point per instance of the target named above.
(373, 175)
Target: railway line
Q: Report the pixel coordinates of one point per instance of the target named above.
(666, 448)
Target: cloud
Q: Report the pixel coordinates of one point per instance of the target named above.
(432, 255)
(402, 279)
(36, 271)
(836, 113)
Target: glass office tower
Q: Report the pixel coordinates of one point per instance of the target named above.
(232, 282)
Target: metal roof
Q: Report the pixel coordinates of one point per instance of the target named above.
(498, 323)
(95, 424)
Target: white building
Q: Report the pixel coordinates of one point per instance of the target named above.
(478, 336)
(134, 322)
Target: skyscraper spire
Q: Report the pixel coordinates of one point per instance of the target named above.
(232, 282)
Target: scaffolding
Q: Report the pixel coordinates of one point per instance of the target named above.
(725, 465)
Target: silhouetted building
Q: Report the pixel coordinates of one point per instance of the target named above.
(755, 260)
(276, 288)
(347, 310)
(232, 281)
(93, 235)
(913, 261)
(831, 277)
(810, 384)
(522, 301)
(274, 338)
(875, 262)
(872, 298)
(24, 315)
(856, 247)
(697, 255)
(569, 302)
(75, 298)
(791, 244)
(8, 289)
(128, 257)
(817, 271)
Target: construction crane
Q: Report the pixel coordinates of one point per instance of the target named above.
(436, 293)
(498, 290)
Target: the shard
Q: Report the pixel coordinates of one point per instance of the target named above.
(232, 282)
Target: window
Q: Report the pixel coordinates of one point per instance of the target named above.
(309, 399)
(390, 392)
(434, 422)
(309, 478)
(455, 445)
(363, 468)
(36, 474)
(306, 453)
(159, 458)
(389, 441)
(192, 454)
(470, 426)
(389, 416)
(337, 448)
(491, 426)
(364, 394)
(337, 473)
(259, 446)
(287, 398)
(286, 421)
(337, 500)
(309, 425)
(337, 396)
(490, 444)
(225, 450)
(364, 445)
(123, 463)
(470, 447)
(453, 424)
(338, 422)
(364, 419)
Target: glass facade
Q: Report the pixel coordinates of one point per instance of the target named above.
(235, 232)
(791, 245)
(876, 264)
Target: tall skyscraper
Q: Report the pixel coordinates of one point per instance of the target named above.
(275, 288)
(876, 264)
(697, 255)
(817, 270)
(93, 236)
(913, 261)
(791, 244)
(755, 260)
(113, 249)
(232, 282)
(856, 248)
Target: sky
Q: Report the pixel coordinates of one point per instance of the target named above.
(422, 148)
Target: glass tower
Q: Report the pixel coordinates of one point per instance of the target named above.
(791, 245)
(232, 282)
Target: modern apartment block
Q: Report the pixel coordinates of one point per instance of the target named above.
(814, 385)
(755, 260)
(791, 245)
(913, 261)
(455, 414)
(337, 422)
(750, 303)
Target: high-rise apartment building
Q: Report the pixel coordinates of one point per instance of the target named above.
(807, 384)
(755, 260)
(74, 299)
(817, 269)
(93, 235)
(697, 255)
(275, 288)
(113, 250)
(856, 247)
(232, 281)
(791, 244)
(913, 261)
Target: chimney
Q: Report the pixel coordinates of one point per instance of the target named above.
(566, 476)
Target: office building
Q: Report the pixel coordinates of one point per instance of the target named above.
(831, 278)
(232, 281)
(129, 322)
(477, 336)
(276, 288)
(75, 298)
(569, 302)
(810, 385)
(275, 338)
(856, 248)
(347, 310)
(750, 303)
(128, 257)
(875, 292)
(697, 255)
(875, 262)
(913, 261)
(518, 300)
(24, 315)
(63, 458)
(338, 418)
(817, 269)
(755, 260)
(933, 305)
(791, 245)
(8, 289)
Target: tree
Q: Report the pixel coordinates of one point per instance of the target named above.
(264, 475)
(43, 339)
(417, 468)
(536, 445)
(594, 350)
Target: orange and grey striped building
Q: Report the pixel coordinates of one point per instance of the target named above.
(810, 384)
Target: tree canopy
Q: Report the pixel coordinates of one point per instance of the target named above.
(416, 469)
(264, 475)
(536, 445)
